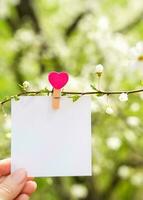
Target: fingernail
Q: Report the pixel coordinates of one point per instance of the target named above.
(35, 185)
(19, 176)
(24, 197)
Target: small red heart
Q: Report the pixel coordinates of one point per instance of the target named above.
(58, 79)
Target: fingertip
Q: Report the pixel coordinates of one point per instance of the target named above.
(29, 187)
(23, 197)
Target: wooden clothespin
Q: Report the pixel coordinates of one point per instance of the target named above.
(58, 80)
(56, 99)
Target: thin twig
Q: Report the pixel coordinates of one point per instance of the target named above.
(96, 92)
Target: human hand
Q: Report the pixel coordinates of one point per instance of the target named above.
(15, 186)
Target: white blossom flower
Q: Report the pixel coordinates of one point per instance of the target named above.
(25, 36)
(103, 23)
(109, 110)
(96, 169)
(137, 179)
(137, 56)
(123, 97)
(79, 191)
(4, 11)
(133, 121)
(7, 123)
(130, 136)
(99, 69)
(135, 107)
(14, 2)
(8, 135)
(5, 115)
(113, 143)
(26, 85)
(124, 172)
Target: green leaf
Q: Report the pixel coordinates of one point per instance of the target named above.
(6, 98)
(30, 94)
(45, 90)
(75, 98)
(21, 86)
(100, 94)
(16, 98)
(63, 94)
(93, 87)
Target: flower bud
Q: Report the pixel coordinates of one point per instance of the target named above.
(99, 69)
(109, 110)
(26, 85)
(123, 97)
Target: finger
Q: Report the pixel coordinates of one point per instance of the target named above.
(13, 185)
(2, 178)
(5, 167)
(22, 197)
(30, 178)
(29, 187)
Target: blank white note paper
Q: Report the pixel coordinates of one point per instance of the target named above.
(49, 142)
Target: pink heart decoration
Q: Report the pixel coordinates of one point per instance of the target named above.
(58, 79)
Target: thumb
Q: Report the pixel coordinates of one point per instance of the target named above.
(12, 185)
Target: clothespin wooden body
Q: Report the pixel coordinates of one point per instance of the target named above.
(56, 99)
(58, 80)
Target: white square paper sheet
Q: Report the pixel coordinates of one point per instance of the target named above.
(49, 142)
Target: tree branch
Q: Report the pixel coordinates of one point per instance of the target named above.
(132, 24)
(75, 23)
(15, 66)
(63, 93)
(25, 10)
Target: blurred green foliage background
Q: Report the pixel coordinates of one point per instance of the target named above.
(37, 36)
